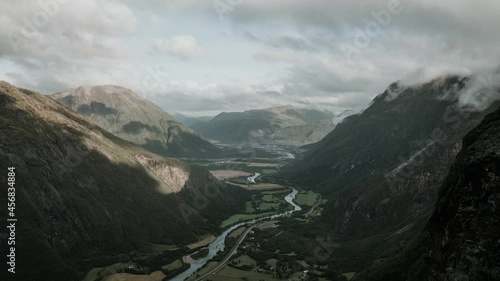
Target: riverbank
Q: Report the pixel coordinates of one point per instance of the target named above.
(219, 243)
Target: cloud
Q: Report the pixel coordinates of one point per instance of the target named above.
(240, 95)
(47, 27)
(268, 53)
(274, 56)
(155, 19)
(481, 91)
(57, 73)
(284, 41)
(182, 46)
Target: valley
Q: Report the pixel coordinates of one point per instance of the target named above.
(236, 250)
(331, 210)
(228, 140)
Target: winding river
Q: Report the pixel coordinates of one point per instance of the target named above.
(219, 243)
(252, 178)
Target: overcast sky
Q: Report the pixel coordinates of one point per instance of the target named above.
(204, 56)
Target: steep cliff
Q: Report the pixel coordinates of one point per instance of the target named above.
(381, 170)
(462, 238)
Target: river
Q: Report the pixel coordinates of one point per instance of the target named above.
(252, 178)
(219, 243)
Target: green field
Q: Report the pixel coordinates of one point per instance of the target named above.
(209, 266)
(237, 232)
(174, 265)
(307, 198)
(93, 274)
(268, 198)
(233, 274)
(349, 275)
(244, 261)
(267, 202)
(243, 217)
(104, 271)
(272, 262)
(268, 206)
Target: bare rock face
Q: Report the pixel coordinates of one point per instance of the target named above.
(128, 116)
(174, 176)
(85, 196)
(462, 238)
(465, 228)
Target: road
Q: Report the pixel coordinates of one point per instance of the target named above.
(223, 263)
(226, 259)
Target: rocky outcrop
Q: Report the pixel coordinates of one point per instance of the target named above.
(175, 177)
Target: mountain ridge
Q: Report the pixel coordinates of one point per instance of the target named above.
(460, 240)
(381, 169)
(285, 124)
(86, 197)
(129, 116)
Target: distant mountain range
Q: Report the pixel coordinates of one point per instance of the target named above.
(128, 116)
(284, 124)
(189, 121)
(85, 196)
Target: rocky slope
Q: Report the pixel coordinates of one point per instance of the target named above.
(389, 130)
(382, 169)
(284, 124)
(128, 116)
(462, 238)
(84, 195)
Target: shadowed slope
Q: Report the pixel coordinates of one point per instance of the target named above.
(85, 195)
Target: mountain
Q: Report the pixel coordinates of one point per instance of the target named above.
(308, 133)
(284, 124)
(337, 118)
(381, 169)
(461, 239)
(189, 121)
(400, 123)
(86, 198)
(128, 116)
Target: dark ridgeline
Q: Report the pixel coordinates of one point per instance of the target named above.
(461, 240)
